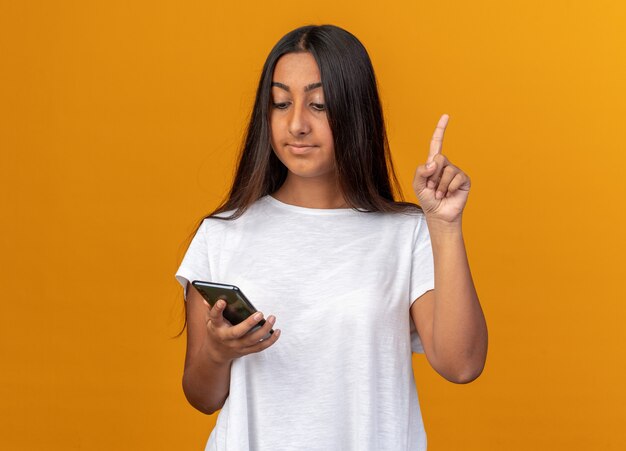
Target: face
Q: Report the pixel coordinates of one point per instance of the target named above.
(301, 136)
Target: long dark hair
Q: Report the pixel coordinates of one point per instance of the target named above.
(364, 167)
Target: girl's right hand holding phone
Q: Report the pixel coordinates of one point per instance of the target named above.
(226, 342)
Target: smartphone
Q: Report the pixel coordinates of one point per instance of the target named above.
(238, 307)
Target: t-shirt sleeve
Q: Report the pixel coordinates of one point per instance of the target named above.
(195, 264)
(422, 273)
(422, 265)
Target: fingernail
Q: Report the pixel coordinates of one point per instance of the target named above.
(429, 165)
(221, 304)
(258, 316)
(271, 319)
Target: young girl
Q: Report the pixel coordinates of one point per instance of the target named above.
(351, 280)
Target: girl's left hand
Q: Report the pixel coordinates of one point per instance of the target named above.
(442, 189)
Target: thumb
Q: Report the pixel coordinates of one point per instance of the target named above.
(422, 173)
(216, 313)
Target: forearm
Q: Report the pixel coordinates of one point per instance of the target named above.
(206, 382)
(459, 327)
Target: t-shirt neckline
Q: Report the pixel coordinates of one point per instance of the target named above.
(310, 211)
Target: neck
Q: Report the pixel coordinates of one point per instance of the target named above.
(311, 193)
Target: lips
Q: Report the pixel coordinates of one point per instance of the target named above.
(300, 148)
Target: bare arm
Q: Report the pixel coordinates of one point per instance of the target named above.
(212, 345)
(206, 382)
(449, 318)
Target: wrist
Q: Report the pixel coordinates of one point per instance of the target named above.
(213, 356)
(444, 227)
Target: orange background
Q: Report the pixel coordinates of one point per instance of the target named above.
(119, 126)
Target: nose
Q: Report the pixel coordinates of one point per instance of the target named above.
(299, 124)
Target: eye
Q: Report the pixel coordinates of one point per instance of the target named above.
(319, 106)
(280, 106)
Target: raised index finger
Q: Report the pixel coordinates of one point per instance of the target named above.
(437, 140)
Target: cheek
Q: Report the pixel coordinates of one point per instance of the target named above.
(274, 135)
(272, 124)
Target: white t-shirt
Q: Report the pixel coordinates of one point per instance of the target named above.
(340, 283)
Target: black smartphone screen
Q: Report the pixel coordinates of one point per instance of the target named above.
(238, 307)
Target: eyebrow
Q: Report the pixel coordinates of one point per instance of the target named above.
(307, 88)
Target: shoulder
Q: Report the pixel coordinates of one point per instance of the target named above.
(411, 218)
(410, 226)
(226, 220)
